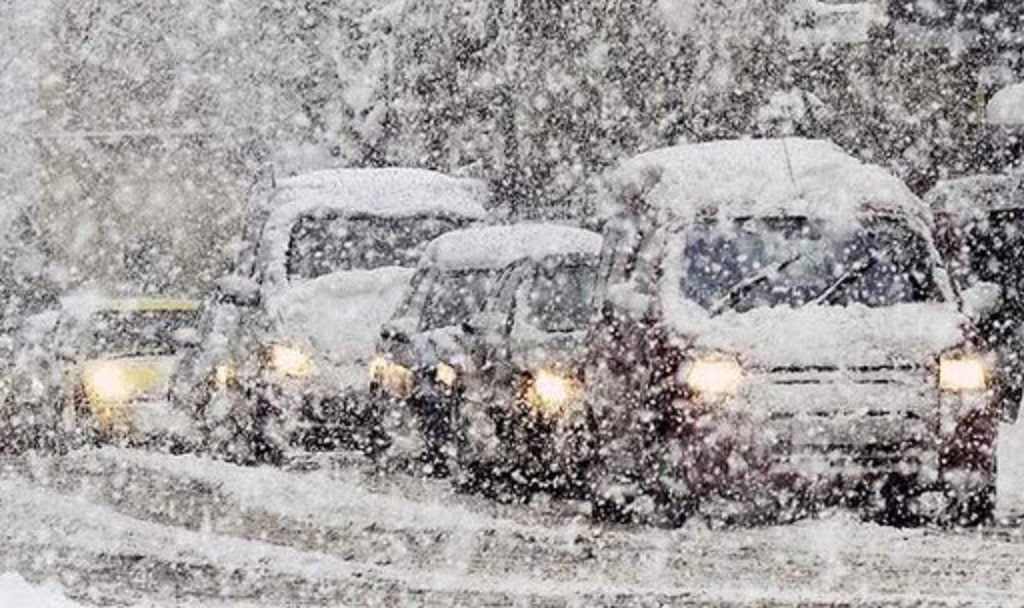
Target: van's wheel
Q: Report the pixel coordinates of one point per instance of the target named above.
(970, 481)
(899, 502)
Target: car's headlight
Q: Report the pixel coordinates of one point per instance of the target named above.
(959, 373)
(394, 379)
(550, 392)
(446, 375)
(290, 361)
(224, 374)
(715, 376)
(107, 382)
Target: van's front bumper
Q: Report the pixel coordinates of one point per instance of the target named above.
(803, 429)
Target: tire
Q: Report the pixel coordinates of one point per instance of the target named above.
(899, 502)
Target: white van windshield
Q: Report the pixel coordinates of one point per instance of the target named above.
(750, 263)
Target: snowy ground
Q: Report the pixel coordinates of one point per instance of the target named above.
(124, 527)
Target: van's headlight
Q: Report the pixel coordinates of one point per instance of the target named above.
(394, 379)
(551, 392)
(963, 373)
(290, 361)
(714, 376)
(225, 374)
(107, 382)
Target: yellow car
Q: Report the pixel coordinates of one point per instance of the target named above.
(118, 357)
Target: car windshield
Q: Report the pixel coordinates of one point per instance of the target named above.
(791, 261)
(323, 245)
(455, 296)
(561, 295)
(145, 334)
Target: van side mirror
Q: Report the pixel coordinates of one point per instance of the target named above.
(485, 323)
(238, 290)
(625, 298)
(398, 330)
(981, 300)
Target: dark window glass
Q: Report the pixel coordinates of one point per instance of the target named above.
(878, 264)
(562, 295)
(147, 334)
(322, 245)
(454, 297)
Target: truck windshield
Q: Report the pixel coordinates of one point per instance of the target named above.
(323, 245)
(455, 296)
(139, 334)
(752, 263)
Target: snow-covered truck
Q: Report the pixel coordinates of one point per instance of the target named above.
(485, 353)
(779, 331)
(334, 251)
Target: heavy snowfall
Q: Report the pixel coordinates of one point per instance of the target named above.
(511, 302)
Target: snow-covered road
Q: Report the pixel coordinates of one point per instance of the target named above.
(116, 526)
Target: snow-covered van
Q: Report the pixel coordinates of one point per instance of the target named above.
(485, 351)
(778, 325)
(110, 365)
(335, 253)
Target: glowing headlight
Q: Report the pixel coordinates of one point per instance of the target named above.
(963, 374)
(107, 383)
(715, 376)
(446, 375)
(224, 374)
(290, 361)
(394, 379)
(551, 393)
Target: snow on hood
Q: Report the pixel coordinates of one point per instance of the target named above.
(977, 194)
(822, 336)
(16, 591)
(823, 24)
(1006, 108)
(791, 176)
(340, 315)
(499, 246)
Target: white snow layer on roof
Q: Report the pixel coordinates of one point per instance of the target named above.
(498, 246)
(822, 24)
(1006, 108)
(17, 592)
(759, 177)
(392, 192)
(977, 194)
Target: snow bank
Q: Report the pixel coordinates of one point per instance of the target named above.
(498, 246)
(758, 177)
(1011, 468)
(1006, 108)
(16, 592)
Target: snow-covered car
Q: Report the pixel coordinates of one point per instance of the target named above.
(116, 358)
(980, 232)
(335, 253)
(484, 354)
(778, 325)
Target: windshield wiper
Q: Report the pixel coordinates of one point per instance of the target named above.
(856, 270)
(740, 290)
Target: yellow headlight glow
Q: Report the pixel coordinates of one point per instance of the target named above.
(394, 379)
(224, 374)
(719, 377)
(963, 374)
(551, 393)
(446, 374)
(107, 382)
(290, 361)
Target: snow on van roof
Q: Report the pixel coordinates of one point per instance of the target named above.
(758, 177)
(391, 192)
(499, 246)
(977, 194)
(1006, 108)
